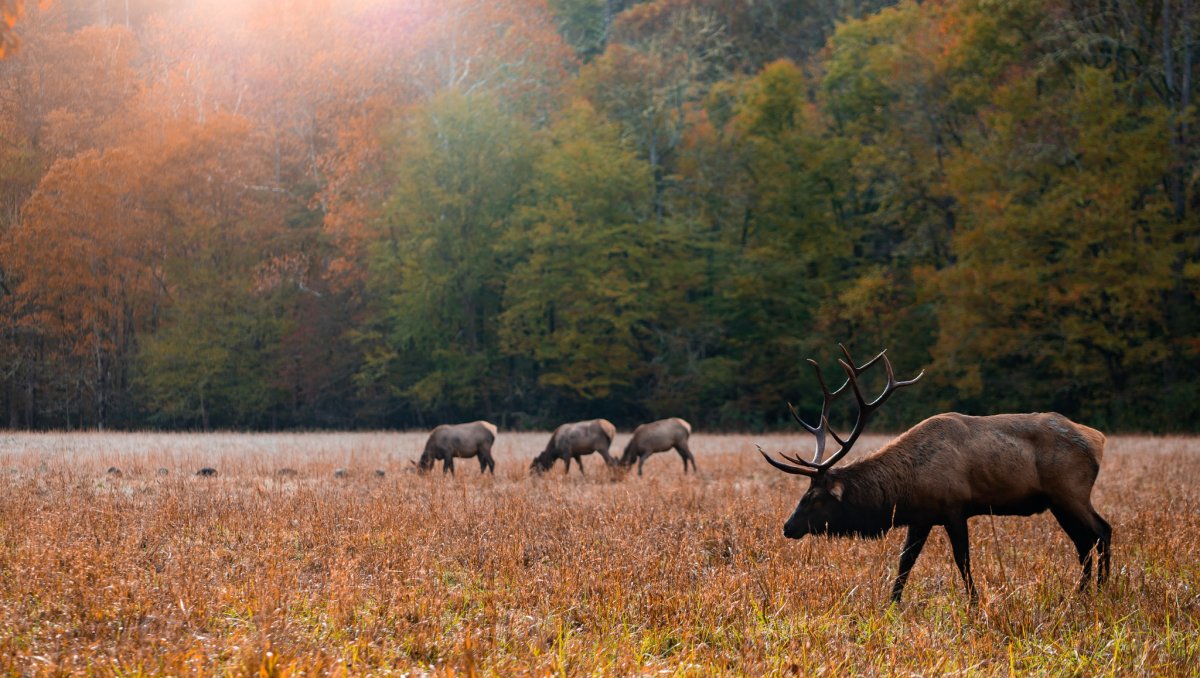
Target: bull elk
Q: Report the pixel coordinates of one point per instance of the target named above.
(659, 436)
(945, 470)
(572, 441)
(459, 440)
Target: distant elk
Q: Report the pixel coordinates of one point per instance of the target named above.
(945, 470)
(459, 440)
(572, 441)
(659, 436)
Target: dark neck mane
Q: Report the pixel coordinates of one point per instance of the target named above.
(871, 493)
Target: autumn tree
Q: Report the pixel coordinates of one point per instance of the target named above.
(1066, 256)
(662, 59)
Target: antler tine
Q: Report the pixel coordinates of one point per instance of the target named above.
(892, 384)
(864, 413)
(820, 377)
(865, 409)
(787, 468)
(860, 368)
(823, 429)
(888, 388)
(796, 415)
(796, 459)
(852, 379)
(827, 398)
(835, 437)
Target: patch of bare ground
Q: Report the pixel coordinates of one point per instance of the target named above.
(166, 572)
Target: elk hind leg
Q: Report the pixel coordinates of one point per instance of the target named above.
(486, 463)
(686, 454)
(913, 543)
(1087, 532)
(579, 463)
(960, 543)
(1103, 546)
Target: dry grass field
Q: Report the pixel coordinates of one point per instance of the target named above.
(250, 573)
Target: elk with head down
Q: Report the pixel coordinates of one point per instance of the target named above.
(945, 470)
(572, 441)
(659, 436)
(459, 440)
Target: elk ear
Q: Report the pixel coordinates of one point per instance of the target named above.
(837, 489)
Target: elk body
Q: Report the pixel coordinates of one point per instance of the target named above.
(572, 441)
(448, 441)
(659, 436)
(945, 470)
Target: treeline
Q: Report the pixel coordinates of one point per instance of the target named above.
(374, 213)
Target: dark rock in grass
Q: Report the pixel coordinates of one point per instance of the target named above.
(164, 472)
(287, 473)
(114, 472)
(379, 473)
(341, 473)
(207, 472)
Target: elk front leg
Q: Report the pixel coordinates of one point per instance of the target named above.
(448, 464)
(579, 463)
(913, 543)
(960, 543)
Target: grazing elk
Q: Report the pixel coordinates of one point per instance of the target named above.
(945, 470)
(659, 436)
(459, 440)
(572, 441)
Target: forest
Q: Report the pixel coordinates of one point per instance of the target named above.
(337, 214)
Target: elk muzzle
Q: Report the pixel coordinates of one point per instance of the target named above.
(795, 528)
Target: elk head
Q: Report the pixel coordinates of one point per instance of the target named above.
(823, 509)
(544, 462)
(423, 465)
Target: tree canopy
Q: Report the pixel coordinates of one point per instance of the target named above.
(375, 213)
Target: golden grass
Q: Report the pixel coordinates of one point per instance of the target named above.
(670, 574)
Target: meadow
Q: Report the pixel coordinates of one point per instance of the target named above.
(665, 574)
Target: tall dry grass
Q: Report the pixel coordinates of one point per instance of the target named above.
(673, 574)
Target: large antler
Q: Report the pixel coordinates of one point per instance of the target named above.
(822, 430)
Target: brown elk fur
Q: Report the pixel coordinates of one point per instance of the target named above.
(459, 440)
(659, 436)
(572, 441)
(951, 467)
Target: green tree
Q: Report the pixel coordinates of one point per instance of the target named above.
(435, 275)
(214, 362)
(768, 180)
(581, 290)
